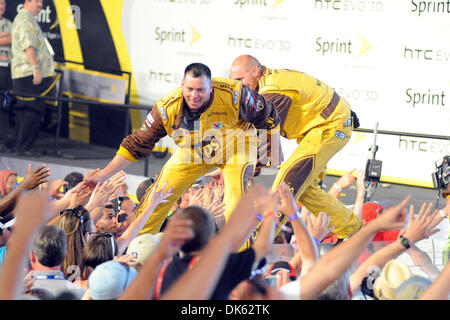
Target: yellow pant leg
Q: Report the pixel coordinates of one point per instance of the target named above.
(317, 200)
(304, 169)
(181, 175)
(236, 180)
(237, 173)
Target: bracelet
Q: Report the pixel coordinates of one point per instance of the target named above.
(337, 187)
(294, 216)
(317, 241)
(259, 216)
(36, 67)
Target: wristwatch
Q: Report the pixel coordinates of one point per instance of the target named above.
(405, 242)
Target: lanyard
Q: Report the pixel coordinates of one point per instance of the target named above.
(50, 277)
(161, 276)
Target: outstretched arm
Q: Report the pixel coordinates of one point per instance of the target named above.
(31, 180)
(308, 252)
(156, 197)
(31, 213)
(176, 233)
(200, 281)
(440, 288)
(419, 228)
(339, 259)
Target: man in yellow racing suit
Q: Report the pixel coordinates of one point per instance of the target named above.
(214, 123)
(319, 120)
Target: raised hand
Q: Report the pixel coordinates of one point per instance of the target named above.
(93, 177)
(80, 196)
(268, 201)
(158, 196)
(100, 195)
(217, 177)
(319, 226)
(422, 226)
(208, 195)
(218, 190)
(288, 205)
(196, 197)
(32, 179)
(217, 208)
(393, 218)
(176, 233)
(118, 180)
(347, 179)
(128, 259)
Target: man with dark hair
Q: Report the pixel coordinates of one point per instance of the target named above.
(46, 256)
(214, 123)
(73, 179)
(238, 266)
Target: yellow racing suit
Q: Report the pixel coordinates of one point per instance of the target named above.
(221, 134)
(320, 120)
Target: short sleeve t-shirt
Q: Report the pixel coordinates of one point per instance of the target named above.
(237, 269)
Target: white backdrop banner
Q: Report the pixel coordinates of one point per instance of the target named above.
(390, 59)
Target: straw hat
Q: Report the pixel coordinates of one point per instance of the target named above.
(397, 282)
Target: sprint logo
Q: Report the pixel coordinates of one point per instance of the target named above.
(326, 46)
(257, 3)
(364, 45)
(166, 35)
(195, 35)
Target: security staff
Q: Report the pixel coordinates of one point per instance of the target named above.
(32, 72)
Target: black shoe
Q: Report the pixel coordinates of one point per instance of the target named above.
(29, 153)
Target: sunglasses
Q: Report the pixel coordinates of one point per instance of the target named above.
(104, 234)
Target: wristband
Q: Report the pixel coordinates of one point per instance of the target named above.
(259, 216)
(294, 216)
(405, 242)
(337, 187)
(36, 67)
(317, 241)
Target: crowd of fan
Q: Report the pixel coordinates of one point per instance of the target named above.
(70, 239)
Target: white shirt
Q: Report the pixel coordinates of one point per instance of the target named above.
(291, 290)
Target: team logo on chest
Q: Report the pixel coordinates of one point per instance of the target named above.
(217, 125)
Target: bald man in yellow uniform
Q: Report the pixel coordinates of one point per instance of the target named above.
(319, 120)
(214, 122)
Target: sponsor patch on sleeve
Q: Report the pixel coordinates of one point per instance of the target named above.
(259, 106)
(163, 113)
(340, 134)
(148, 121)
(236, 97)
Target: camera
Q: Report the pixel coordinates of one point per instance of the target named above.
(441, 177)
(373, 170)
(121, 217)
